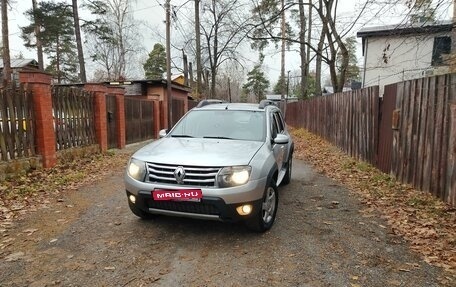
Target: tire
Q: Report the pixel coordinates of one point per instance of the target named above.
(265, 216)
(287, 178)
(138, 212)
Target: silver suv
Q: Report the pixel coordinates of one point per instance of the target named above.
(221, 161)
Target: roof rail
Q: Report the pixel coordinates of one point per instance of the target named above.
(265, 103)
(209, 102)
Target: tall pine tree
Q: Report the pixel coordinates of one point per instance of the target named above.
(155, 65)
(55, 20)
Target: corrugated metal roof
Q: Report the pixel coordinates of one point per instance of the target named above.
(21, 63)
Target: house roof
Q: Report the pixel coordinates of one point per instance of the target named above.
(406, 29)
(161, 82)
(21, 63)
(277, 97)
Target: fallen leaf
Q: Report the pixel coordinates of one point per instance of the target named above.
(110, 268)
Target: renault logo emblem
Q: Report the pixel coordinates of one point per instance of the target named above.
(179, 174)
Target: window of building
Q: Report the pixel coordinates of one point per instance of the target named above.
(442, 46)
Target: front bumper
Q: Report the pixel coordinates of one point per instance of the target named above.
(216, 204)
(209, 208)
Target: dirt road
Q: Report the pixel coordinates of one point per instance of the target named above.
(320, 238)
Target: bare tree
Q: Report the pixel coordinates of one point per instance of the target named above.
(5, 39)
(302, 48)
(113, 39)
(222, 27)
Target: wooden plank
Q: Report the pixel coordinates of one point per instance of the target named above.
(419, 131)
(436, 189)
(405, 125)
(20, 147)
(411, 142)
(396, 132)
(445, 136)
(450, 190)
(430, 122)
(4, 126)
(12, 123)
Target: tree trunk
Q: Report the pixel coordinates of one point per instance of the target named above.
(319, 60)
(282, 64)
(309, 37)
(39, 46)
(453, 41)
(77, 32)
(198, 49)
(215, 55)
(302, 48)
(57, 60)
(5, 39)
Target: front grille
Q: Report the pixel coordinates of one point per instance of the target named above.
(194, 176)
(184, 206)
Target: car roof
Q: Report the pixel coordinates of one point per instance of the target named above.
(235, 106)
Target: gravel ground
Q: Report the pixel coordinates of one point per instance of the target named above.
(321, 237)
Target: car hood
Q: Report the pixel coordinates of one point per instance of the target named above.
(199, 152)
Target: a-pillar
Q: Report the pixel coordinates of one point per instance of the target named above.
(101, 131)
(40, 84)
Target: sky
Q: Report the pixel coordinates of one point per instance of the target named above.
(152, 14)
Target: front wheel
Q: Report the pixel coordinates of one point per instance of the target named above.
(265, 216)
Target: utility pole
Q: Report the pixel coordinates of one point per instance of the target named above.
(198, 48)
(5, 48)
(169, 96)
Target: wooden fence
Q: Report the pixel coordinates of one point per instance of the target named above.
(410, 132)
(424, 135)
(73, 117)
(16, 123)
(348, 120)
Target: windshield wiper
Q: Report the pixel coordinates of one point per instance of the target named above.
(214, 137)
(181, 136)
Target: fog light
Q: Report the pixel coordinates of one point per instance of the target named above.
(244, 209)
(132, 198)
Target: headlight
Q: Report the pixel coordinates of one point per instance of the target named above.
(233, 176)
(137, 169)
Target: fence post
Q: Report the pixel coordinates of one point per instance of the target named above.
(120, 116)
(40, 84)
(99, 109)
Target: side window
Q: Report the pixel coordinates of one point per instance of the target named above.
(274, 128)
(279, 122)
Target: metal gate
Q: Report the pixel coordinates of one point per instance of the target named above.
(139, 120)
(111, 121)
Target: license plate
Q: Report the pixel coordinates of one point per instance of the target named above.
(179, 195)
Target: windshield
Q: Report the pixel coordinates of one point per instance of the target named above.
(222, 124)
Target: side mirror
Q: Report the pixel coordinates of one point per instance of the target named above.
(162, 133)
(281, 139)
